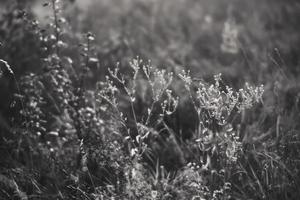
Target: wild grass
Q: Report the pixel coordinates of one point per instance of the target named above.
(77, 124)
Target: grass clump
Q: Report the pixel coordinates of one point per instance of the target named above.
(139, 131)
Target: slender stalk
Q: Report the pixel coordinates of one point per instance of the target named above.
(150, 113)
(56, 24)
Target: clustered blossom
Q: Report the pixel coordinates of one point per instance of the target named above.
(186, 78)
(129, 89)
(32, 112)
(233, 144)
(107, 91)
(159, 80)
(170, 104)
(89, 116)
(220, 103)
(249, 96)
(59, 79)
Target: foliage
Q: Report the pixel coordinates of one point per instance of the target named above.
(139, 131)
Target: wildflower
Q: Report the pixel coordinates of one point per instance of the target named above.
(154, 194)
(186, 78)
(133, 152)
(170, 104)
(61, 44)
(90, 36)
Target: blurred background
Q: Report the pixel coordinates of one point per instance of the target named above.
(207, 37)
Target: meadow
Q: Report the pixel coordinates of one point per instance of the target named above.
(150, 99)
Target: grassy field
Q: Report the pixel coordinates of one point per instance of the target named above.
(150, 99)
